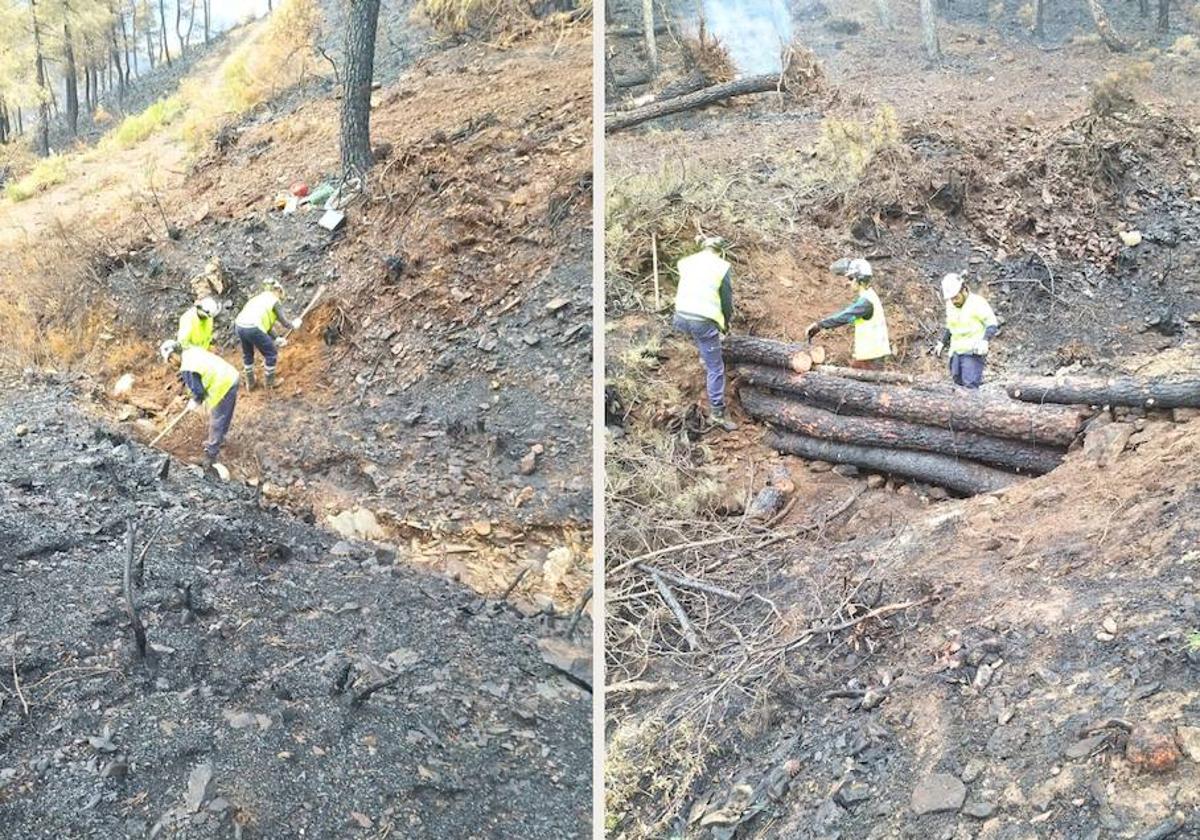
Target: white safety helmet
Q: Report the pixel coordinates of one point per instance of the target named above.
(273, 285)
(207, 307)
(167, 349)
(858, 269)
(951, 285)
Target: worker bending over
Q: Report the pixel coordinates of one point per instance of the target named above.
(254, 324)
(970, 325)
(196, 324)
(871, 342)
(213, 383)
(703, 310)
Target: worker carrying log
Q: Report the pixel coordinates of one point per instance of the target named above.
(254, 324)
(704, 310)
(871, 342)
(970, 326)
(196, 324)
(213, 383)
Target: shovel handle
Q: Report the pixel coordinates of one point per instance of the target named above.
(170, 426)
(316, 297)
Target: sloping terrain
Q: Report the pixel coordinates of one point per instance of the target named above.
(379, 627)
(262, 633)
(881, 660)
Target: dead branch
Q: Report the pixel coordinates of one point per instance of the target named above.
(578, 614)
(139, 631)
(17, 682)
(361, 697)
(690, 583)
(689, 632)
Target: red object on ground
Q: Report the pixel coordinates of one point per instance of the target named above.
(300, 189)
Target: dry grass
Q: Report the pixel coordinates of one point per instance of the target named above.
(281, 55)
(45, 173)
(137, 127)
(708, 55)
(1114, 93)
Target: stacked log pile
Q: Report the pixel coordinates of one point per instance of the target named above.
(966, 441)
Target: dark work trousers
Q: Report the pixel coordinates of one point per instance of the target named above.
(708, 341)
(967, 369)
(218, 426)
(254, 338)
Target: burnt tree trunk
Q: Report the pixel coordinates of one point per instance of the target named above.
(1177, 392)
(879, 432)
(356, 99)
(70, 74)
(1039, 17)
(130, 68)
(207, 18)
(1164, 15)
(960, 476)
(929, 34)
(648, 33)
(43, 135)
(162, 17)
(1104, 26)
(699, 99)
(959, 410)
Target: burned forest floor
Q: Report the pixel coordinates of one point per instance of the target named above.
(250, 713)
(410, 506)
(881, 659)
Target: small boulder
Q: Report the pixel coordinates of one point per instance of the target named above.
(1151, 751)
(937, 793)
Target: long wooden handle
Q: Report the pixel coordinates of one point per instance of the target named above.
(316, 297)
(170, 426)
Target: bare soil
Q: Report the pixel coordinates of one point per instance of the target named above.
(832, 733)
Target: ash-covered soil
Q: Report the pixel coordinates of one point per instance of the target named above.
(262, 632)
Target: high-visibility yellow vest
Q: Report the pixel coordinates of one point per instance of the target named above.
(699, 292)
(194, 331)
(871, 334)
(216, 375)
(259, 312)
(967, 323)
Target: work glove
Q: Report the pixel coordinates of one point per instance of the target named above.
(812, 330)
(281, 341)
(297, 323)
(193, 405)
(981, 349)
(939, 349)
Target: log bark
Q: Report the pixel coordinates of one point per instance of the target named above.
(768, 502)
(765, 351)
(699, 99)
(886, 377)
(1172, 392)
(960, 476)
(960, 410)
(1026, 458)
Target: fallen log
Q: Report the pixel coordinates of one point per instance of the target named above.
(884, 377)
(960, 410)
(699, 99)
(964, 477)
(766, 351)
(1018, 456)
(1165, 392)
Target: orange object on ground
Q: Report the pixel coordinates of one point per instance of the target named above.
(300, 189)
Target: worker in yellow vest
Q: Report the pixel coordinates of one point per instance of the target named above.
(871, 342)
(703, 310)
(253, 325)
(970, 326)
(213, 383)
(196, 324)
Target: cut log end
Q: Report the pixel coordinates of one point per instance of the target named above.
(818, 355)
(802, 362)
